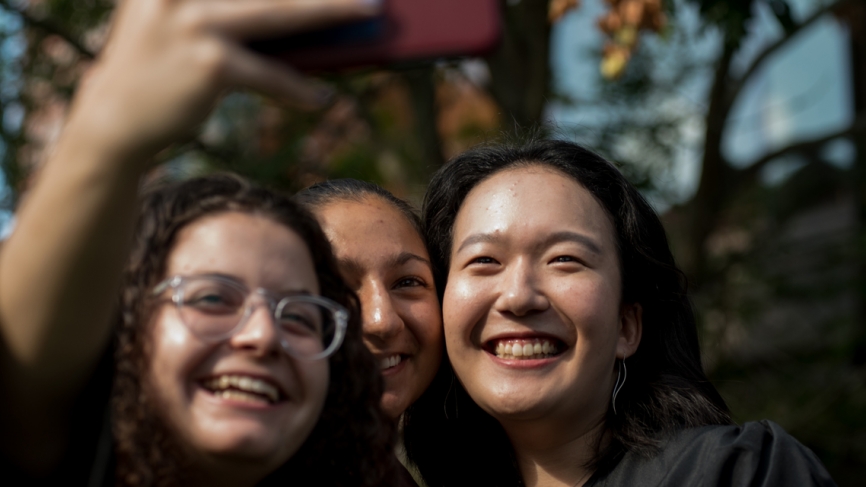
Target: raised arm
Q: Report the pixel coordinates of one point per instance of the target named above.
(164, 67)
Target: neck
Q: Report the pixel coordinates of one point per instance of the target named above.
(552, 456)
(219, 472)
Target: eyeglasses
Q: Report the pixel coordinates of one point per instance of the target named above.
(214, 308)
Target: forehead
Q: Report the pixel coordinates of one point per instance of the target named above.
(253, 248)
(363, 229)
(535, 199)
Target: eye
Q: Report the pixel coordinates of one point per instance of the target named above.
(483, 260)
(410, 281)
(213, 300)
(301, 319)
(567, 259)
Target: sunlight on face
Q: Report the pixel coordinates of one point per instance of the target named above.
(532, 313)
(244, 424)
(382, 257)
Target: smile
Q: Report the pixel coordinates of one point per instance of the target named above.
(525, 348)
(390, 361)
(243, 388)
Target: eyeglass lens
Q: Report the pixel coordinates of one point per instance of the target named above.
(212, 309)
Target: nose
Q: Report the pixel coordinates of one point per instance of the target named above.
(258, 333)
(380, 319)
(520, 293)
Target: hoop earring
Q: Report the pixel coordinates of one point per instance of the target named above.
(622, 373)
(445, 403)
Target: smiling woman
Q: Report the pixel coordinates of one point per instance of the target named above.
(234, 355)
(572, 341)
(231, 301)
(381, 254)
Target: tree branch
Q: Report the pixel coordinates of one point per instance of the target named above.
(737, 86)
(51, 27)
(858, 127)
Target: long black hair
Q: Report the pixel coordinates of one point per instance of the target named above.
(453, 442)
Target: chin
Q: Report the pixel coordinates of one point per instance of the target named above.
(394, 404)
(515, 406)
(239, 441)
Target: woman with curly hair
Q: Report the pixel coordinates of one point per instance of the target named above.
(237, 358)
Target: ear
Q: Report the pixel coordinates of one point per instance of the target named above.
(630, 330)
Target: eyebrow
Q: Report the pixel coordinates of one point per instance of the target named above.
(281, 292)
(553, 238)
(568, 236)
(353, 266)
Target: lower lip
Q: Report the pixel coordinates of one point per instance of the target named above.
(513, 363)
(239, 404)
(395, 369)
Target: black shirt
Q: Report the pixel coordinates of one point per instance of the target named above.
(756, 454)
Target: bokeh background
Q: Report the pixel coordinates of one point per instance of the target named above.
(742, 121)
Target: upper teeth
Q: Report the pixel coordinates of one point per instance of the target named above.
(243, 383)
(526, 349)
(389, 362)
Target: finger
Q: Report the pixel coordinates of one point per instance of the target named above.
(245, 69)
(256, 19)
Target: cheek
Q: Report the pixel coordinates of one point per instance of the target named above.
(462, 305)
(315, 376)
(425, 322)
(173, 355)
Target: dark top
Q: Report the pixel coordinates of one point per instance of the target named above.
(89, 457)
(756, 454)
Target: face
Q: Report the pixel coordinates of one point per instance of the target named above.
(384, 260)
(533, 320)
(191, 378)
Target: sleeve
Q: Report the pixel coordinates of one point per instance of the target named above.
(756, 454)
(762, 454)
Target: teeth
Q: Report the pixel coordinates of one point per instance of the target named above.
(389, 362)
(240, 387)
(525, 349)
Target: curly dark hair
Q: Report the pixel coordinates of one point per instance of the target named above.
(454, 442)
(353, 442)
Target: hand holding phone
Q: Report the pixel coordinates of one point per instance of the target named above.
(167, 62)
(405, 31)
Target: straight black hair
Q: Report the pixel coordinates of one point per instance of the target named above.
(453, 442)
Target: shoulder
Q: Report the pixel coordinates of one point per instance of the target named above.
(757, 453)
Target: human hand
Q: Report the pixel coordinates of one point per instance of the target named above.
(167, 62)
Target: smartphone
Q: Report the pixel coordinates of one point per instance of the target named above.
(407, 31)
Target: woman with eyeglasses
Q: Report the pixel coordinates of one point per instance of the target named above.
(237, 356)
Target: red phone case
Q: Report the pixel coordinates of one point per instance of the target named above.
(413, 30)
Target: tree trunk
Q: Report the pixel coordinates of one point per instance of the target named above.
(422, 90)
(704, 208)
(520, 68)
(857, 28)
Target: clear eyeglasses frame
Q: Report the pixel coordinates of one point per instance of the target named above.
(214, 308)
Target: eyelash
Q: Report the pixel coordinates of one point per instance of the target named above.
(412, 282)
(566, 259)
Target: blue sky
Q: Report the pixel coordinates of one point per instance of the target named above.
(803, 91)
